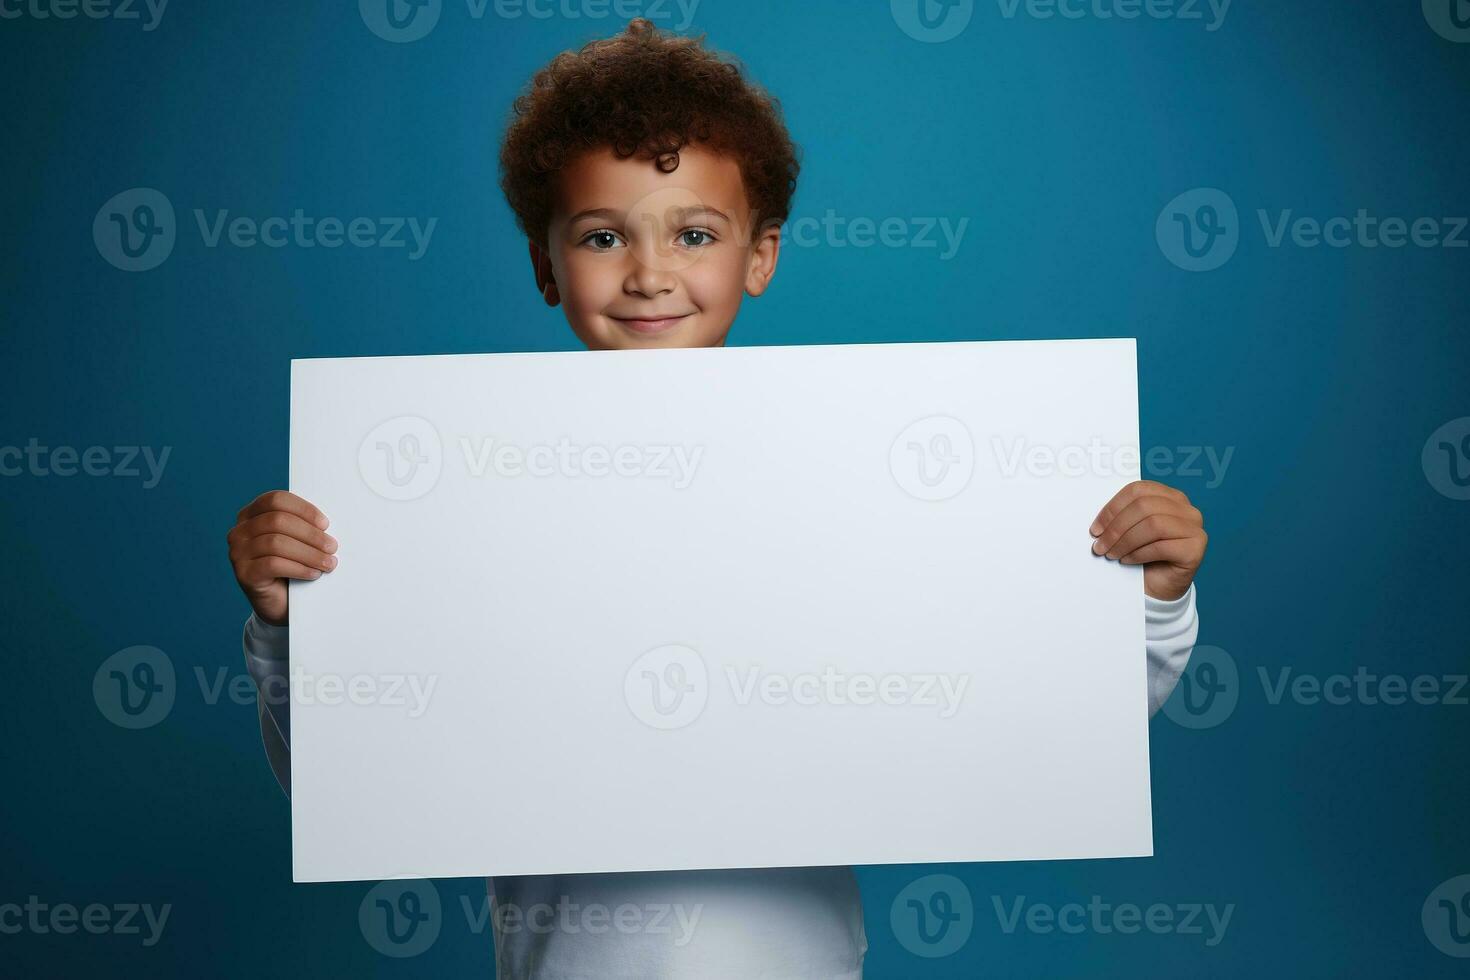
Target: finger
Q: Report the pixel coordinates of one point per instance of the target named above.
(281, 522)
(284, 546)
(1137, 511)
(287, 501)
(1155, 527)
(263, 571)
(1126, 496)
(1178, 551)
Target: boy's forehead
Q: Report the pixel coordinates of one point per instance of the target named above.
(599, 179)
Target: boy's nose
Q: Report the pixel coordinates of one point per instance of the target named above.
(648, 276)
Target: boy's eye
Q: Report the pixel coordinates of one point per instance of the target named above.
(695, 238)
(601, 240)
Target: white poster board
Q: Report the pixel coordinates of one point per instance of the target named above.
(716, 608)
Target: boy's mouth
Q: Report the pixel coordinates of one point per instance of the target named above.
(651, 325)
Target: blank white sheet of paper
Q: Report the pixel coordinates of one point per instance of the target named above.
(716, 608)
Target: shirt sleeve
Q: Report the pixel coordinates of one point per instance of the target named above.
(1170, 629)
(267, 658)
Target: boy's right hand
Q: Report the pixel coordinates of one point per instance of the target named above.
(278, 536)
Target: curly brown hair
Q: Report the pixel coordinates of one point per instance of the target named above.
(651, 93)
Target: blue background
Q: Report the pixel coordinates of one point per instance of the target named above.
(1061, 141)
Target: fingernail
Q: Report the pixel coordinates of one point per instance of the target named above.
(316, 573)
(1097, 547)
(323, 523)
(1096, 528)
(329, 563)
(330, 545)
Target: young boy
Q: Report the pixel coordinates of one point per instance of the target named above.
(651, 178)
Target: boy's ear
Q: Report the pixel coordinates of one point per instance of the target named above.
(763, 258)
(545, 278)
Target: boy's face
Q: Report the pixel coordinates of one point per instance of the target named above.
(640, 258)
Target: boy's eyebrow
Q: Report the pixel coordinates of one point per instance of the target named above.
(698, 209)
(681, 214)
(595, 213)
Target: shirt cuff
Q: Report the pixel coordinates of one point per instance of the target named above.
(266, 641)
(1167, 610)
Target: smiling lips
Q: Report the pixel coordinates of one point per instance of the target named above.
(651, 324)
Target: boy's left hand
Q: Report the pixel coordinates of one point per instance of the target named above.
(1157, 527)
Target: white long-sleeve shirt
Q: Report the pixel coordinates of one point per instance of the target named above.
(765, 922)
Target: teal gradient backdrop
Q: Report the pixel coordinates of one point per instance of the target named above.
(1055, 143)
